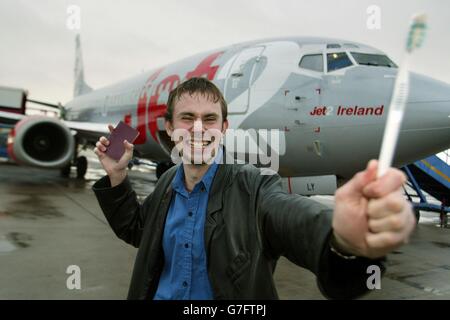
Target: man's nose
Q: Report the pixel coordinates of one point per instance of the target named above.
(198, 129)
(198, 126)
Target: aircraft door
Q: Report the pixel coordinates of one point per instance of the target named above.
(240, 79)
(302, 94)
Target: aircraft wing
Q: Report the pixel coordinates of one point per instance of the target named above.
(10, 118)
(89, 130)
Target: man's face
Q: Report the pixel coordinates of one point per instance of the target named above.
(197, 128)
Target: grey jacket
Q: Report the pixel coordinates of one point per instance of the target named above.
(250, 223)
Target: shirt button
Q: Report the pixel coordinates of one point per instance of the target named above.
(185, 284)
(202, 189)
(186, 245)
(190, 213)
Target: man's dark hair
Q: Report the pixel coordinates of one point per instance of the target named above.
(196, 85)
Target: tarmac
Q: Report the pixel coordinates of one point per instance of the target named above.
(48, 224)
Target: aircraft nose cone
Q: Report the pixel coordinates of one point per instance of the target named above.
(428, 104)
(426, 123)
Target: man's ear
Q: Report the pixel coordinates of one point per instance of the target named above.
(169, 127)
(225, 126)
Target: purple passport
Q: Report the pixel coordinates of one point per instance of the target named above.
(122, 132)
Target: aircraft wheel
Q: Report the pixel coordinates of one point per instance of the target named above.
(132, 163)
(162, 167)
(65, 171)
(81, 167)
(417, 214)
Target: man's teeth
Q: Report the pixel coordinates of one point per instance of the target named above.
(200, 143)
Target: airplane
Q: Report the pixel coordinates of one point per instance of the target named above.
(328, 97)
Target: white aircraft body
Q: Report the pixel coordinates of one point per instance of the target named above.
(328, 98)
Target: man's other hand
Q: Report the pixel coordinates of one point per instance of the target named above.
(371, 216)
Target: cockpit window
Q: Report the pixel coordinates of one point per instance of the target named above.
(312, 62)
(338, 60)
(377, 60)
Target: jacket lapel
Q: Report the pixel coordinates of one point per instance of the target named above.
(215, 202)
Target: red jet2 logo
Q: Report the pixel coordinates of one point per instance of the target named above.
(348, 111)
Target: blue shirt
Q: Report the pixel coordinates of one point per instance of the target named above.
(185, 274)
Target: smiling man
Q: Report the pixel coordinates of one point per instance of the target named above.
(216, 231)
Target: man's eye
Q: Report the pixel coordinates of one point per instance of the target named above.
(210, 119)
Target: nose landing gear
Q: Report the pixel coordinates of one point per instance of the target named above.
(162, 167)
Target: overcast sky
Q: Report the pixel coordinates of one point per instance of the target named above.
(123, 38)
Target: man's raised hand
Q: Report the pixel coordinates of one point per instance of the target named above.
(116, 170)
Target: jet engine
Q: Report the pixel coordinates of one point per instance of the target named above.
(41, 141)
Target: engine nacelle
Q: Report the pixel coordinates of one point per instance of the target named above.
(41, 141)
